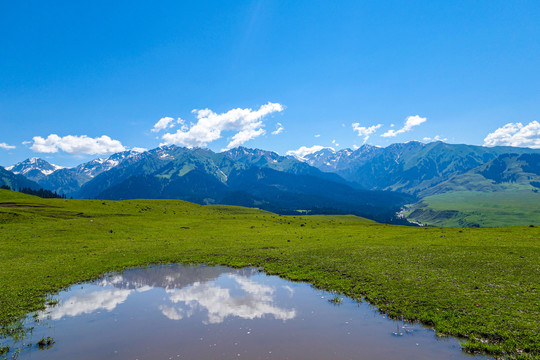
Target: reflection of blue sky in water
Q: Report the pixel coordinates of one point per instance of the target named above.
(255, 302)
(245, 299)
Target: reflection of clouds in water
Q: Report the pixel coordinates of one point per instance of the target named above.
(175, 313)
(250, 300)
(258, 291)
(171, 312)
(87, 303)
(111, 280)
(219, 303)
(144, 288)
(289, 289)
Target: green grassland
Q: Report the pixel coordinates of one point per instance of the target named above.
(475, 208)
(480, 284)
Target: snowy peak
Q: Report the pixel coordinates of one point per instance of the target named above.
(330, 160)
(307, 154)
(241, 153)
(95, 167)
(34, 167)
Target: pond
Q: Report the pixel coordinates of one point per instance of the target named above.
(203, 312)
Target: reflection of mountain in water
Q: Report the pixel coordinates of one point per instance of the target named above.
(191, 290)
(170, 276)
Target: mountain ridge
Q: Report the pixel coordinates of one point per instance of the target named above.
(16, 181)
(260, 179)
(408, 167)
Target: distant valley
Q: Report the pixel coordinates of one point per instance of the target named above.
(457, 185)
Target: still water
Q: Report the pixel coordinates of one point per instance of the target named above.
(201, 312)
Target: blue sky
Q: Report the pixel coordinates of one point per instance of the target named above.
(87, 70)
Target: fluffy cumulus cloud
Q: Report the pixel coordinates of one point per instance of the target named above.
(436, 138)
(6, 146)
(303, 151)
(76, 144)
(515, 134)
(279, 129)
(165, 123)
(139, 149)
(247, 123)
(411, 122)
(365, 131)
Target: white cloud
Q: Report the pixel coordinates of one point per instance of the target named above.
(77, 144)
(303, 151)
(515, 134)
(411, 122)
(6, 146)
(247, 123)
(335, 143)
(436, 138)
(279, 129)
(139, 149)
(164, 123)
(243, 136)
(365, 131)
(318, 135)
(355, 147)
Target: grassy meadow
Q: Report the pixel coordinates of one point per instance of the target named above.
(479, 284)
(476, 208)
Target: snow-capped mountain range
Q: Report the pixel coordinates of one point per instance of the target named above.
(95, 167)
(328, 159)
(67, 180)
(412, 167)
(32, 166)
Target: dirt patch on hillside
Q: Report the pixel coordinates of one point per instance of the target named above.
(18, 205)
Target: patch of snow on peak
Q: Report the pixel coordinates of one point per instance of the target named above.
(47, 172)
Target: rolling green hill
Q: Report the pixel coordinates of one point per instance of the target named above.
(502, 192)
(508, 172)
(479, 209)
(479, 284)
